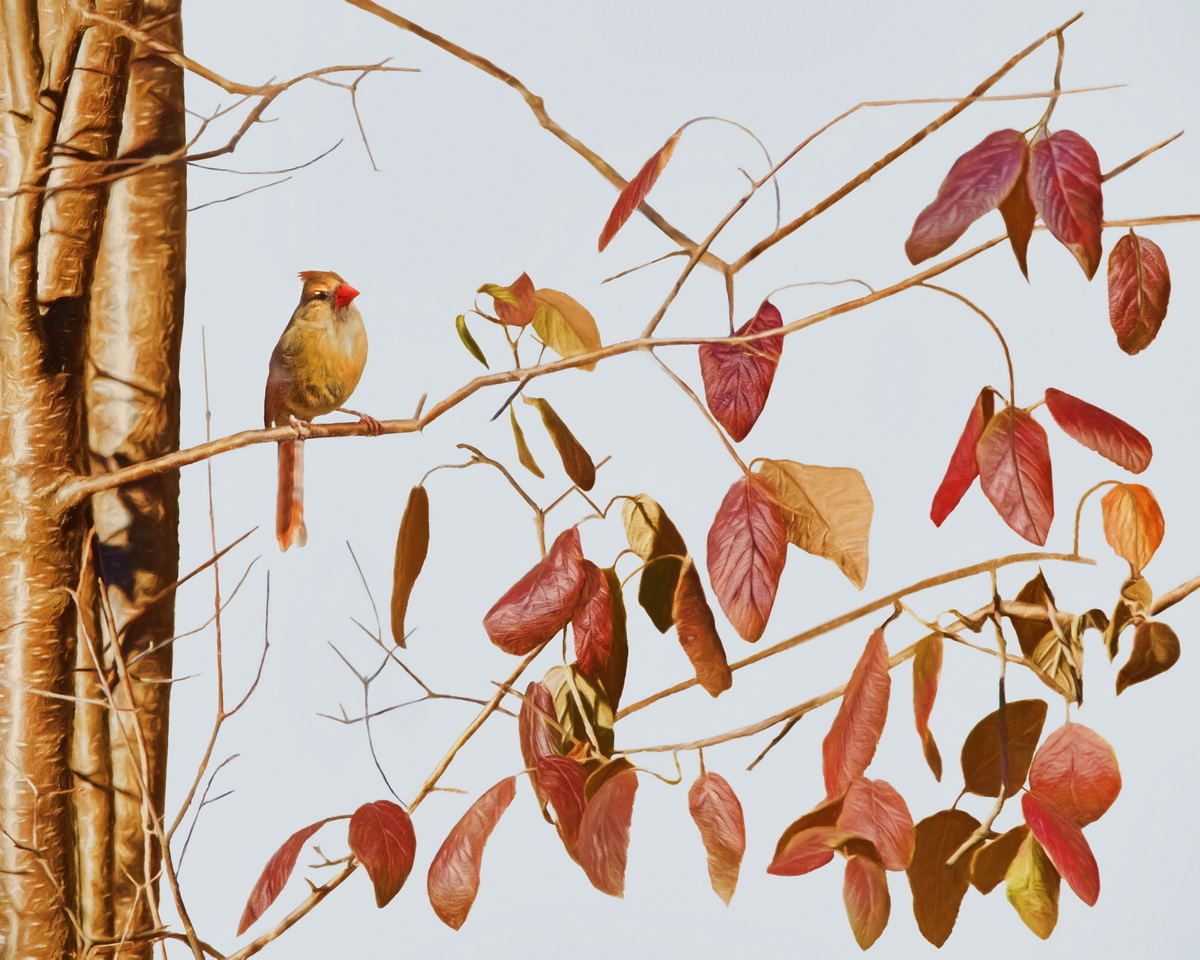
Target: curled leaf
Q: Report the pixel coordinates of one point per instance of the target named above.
(1155, 651)
(1076, 768)
(575, 460)
(564, 325)
(927, 669)
(999, 749)
(1064, 185)
(1133, 523)
(849, 747)
(612, 677)
(635, 190)
(523, 452)
(542, 602)
(1139, 286)
(809, 842)
(275, 875)
(718, 814)
(468, 341)
(412, 544)
(1099, 430)
(962, 469)
(514, 304)
(873, 810)
(1014, 471)
(738, 376)
(697, 632)
(381, 837)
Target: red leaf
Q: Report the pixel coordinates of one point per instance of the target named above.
(1139, 286)
(538, 739)
(540, 604)
(962, 471)
(454, 872)
(592, 623)
(746, 553)
(1077, 770)
(604, 833)
(275, 875)
(865, 894)
(1064, 844)
(738, 377)
(1099, 430)
(515, 305)
(1014, 471)
(636, 189)
(850, 744)
(874, 811)
(927, 670)
(562, 780)
(718, 813)
(1019, 217)
(807, 850)
(979, 180)
(937, 889)
(381, 837)
(1064, 185)
(697, 632)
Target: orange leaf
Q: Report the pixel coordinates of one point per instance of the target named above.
(1064, 184)
(1155, 650)
(865, 894)
(565, 325)
(514, 304)
(576, 461)
(738, 376)
(718, 813)
(1139, 286)
(1076, 768)
(991, 860)
(412, 544)
(873, 810)
(962, 470)
(541, 603)
(1099, 430)
(809, 842)
(697, 632)
(1032, 888)
(927, 670)
(454, 873)
(636, 189)
(746, 553)
(850, 744)
(1064, 844)
(592, 623)
(275, 875)
(1019, 216)
(1014, 471)
(983, 757)
(604, 833)
(381, 837)
(1133, 523)
(937, 889)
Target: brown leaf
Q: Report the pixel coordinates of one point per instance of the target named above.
(1032, 888)
(275, 875)
(937, 889)
(604, 833)
(1064, 844)
(738, 376)
(849, 747)
(865, 894)
(381, 837)
(1064, 185)
(746, 554)
(809, 842)
(592, 623)
(412, 544)
(541, 603)
(1077, 770)
(697, 632)
(454, 873)
(514, 304)
(962, 469)
(873, 810)
(1019, 217)
(649, 530)
(523, 451)
(1029, 632)
(657, 588)
(564, 325)
(613, 676)
(1133, 523)
(636, 189)
(1155, 651)
(1099, 430)
(1014, 471)
(718, 814)
(1132, 609)
(827, 511)
(1139, 287)
(991, 860)
(581, 708)
(927, 669)
(576, 461)
(983, 755)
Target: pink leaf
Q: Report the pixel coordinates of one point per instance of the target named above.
(850, 744)
(718, 813)
(874, 811)
(807, 850)
(636, 189)
(604, 833)
(1064, 185)
(1077, 770)
(738, 377)
(1064, 844)
(962, 470)
(1099, 430)
(1014, 471)
(381, 837)
(275, 875)
(541, 603)
(592, 623)
(865, 894)
(562, 780)
(1139, 286)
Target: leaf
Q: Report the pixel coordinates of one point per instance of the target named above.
(1032, 888)
(697, 632)
(604, 833)
(962, 470)
(865, 894)
(809, 842)
(575, 460)
(1019, 216)
(827, 512)
(564, 325)
(523, 453)
(937, 889)
(656, 591)
(1029, 632)
(275, 875)
(381, 837)
(541, 603)
(1064, 844)
(514, 304)
(927, 670)
(982, 757)
(1077, 770)
(468, 341)
(649, 530)
(873, 810)
(979, 180)
(1133, 523)
(738, 376)
(1139, 286)
(412, 545)
(1099, 430)
(1155, 650)
(746, 554)
(562, 780)
(581, 709)
(849, 747)
(1133, 608)
(718, 814)
(635, 190)
(454, 873)
(538, 738)
(1064, 185)
(1014, 471)
(613, 675)
(991, 860)
(592, 623)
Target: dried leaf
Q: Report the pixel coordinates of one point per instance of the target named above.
(927, 670)
(962, 469)
(514, 304)
(937, 889)
(1155, 650)
(1132, 609)
(979, 180)
(875, 811)
(1077, 770)
(697, 632)
(468, 341)
(575, 460)
(523, 452)
(541, 603)
(983, 758)
(649, 530)
(746, 554)
(849, 747)
(865, 894)
(738, 376)
(991, 860)
(581, 708)
(381, 837)
(604, 833)
(564, 325)
(1064, 844)
(1133, 523)
(592, 623)
(1064, 185)
(412, 544)
(1030, 633)
(561, 779)
(809, 842)
(1019, 216)
(1139, 287)
(454, 873)
(1032, 888)
(656, 591)
(275, 875)
(613, 675)
(636, 189)
(1014, 471)
(1099, 430)
(718, 814)
(827, 511)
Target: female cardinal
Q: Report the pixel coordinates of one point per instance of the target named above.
(314, 369)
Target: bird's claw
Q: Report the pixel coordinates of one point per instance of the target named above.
(374, 427)
(300, 426)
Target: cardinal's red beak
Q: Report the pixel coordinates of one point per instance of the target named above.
(345, 293)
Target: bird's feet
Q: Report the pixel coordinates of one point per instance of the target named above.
(374, 428)
(300, 426)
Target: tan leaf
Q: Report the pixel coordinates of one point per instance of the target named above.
(650, 532)
(575, 459)
(1155, 650)
(564, 325)
(1133, 523)
(412, 544)
(523, 452)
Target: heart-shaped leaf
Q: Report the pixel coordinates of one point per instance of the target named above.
(381, 837)
(738, 376)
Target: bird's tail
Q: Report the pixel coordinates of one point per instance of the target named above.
(289, 500)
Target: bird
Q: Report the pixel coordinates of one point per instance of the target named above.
(314, 368)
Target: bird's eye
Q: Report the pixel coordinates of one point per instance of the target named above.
(320, 294)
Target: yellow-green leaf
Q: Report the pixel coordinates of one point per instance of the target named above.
(1032, 888)
(412, 544)
(564, 325)
(575, 460)
(523, 453)
(468, 341)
